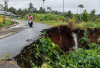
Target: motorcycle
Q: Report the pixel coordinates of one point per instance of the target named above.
(30, 22)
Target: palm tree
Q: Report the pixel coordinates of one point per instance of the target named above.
(43, 3)
(80, 6)
(5, 9)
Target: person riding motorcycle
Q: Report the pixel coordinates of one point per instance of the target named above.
(30, 20)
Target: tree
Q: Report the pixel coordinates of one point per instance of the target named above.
(13, 10)
(42, 10)
(35, 10)
(24, 12)
(85, 16)
(92, 15)
(5, 9)
(80, 6)
(30, 9)
(49, 9)
(69, 14)
(19, 12)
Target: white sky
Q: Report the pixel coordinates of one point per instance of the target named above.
(57, 4)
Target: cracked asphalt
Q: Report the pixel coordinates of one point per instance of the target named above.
(13, 44)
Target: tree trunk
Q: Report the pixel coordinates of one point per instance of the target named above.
(5, 9)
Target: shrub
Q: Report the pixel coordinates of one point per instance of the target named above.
(50, 17)
(7, 23)
(45, 17)
(97, 20)
(84, 59)
(60, 18)
(98, 40)
(78, 17)
(52, 59)
(85, 16)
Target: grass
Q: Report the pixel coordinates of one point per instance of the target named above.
(80, 25)
(52, 23)
(4, 57)
(1, 19)
(49, 19)
(56, 20)
(83, 25)
(7, 23)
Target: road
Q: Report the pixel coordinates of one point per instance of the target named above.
(13, 45)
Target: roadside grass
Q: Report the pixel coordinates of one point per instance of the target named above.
(4, 57)
(52, 23)
(83, 25)
(1, 19)
(7, 23)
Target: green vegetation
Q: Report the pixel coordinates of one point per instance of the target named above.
(7, 23)
(1, 19)
(85, 16)
(48, 55)
(49, 19)
(45, 17)
(4, 57)
(82, 21)
(45, 54)
(83, 25)
(52, 23)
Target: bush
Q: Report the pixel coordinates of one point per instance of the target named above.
(97, 20)
(78, 17)
(60, 18)
(85, 17)
(7, 23)
(52, 59)
(45, 17)
(84, 59)
(50, 17)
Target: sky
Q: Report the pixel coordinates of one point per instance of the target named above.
(57, 4)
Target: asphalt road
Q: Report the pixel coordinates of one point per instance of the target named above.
(13, 45)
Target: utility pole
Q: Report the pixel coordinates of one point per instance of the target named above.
(63, 7)
(5, 10)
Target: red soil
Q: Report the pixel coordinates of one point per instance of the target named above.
(62, 36)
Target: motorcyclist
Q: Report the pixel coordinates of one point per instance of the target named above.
(30, 20)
